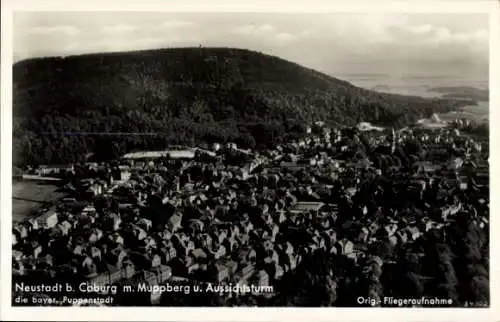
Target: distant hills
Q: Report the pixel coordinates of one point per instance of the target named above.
(184, 96)
(462, 92)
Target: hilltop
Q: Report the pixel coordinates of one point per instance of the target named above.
(184, 96)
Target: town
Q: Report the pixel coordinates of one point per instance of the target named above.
(223, 215)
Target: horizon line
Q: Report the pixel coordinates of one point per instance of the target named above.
(131, 51)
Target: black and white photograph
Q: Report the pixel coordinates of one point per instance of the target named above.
(249, 159)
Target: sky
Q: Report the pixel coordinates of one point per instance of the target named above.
(331, 43)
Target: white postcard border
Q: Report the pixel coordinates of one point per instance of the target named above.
(242, 314)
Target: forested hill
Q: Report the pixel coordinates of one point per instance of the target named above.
(186, 96)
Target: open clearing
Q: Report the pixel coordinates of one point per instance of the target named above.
(28, 196)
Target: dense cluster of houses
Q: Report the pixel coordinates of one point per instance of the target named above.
(249, 217)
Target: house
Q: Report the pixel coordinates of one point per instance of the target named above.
(291, 166)
(155, 260)
(198, 254)
(418, 185)
(95, 235)
(113, 221)
(162, 272)
(234, 231)
(37, 249)
(150, 155)
(330, 236)
(402, 236)
(111, 275)
(463, 183)
(247, 255)
(17, 255)
(188, 246)
(275, 271)
(373, 227)
(243, 273)
(375, 260)
(48, 219)
(79, 249)
(151, 279)
(391, 229)
(95, 253)
(220, 236)
(22, 229)
(180, 245)
(231, 265)
(230, 244)
(281, 217)
(290, 261)
(99, 279)
(287, 248)
(95, 189)
(319, 241)
(456, 164)
(426, 224)
(344, 247)
(149, 243)
(204, 239)
(424, 167)
(15, 237)
(169, 252)
(45, 170)
(261, 278)
(393, 240)
(64, 227)
(363, 235)
(139, 233)
(117, 256)
(88, 265)
(18, 268)
(219, 251)
(413, 232)
(272, 256)
(246, 226)
(267, 245)
(483, 222)
(174, 222)
(304, 207)
(116, 238)
(219, 272)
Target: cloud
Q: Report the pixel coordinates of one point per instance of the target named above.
(127, 28)
(72, 46)
(432, 35)
(285, 38)
(254, 30)
(124, 44)
(399, 35)
(45, 30)
(175, 24)
(361, 28)
(120, 28)
(421, 29)
(446, 36)
(316, 40)
(268, 33)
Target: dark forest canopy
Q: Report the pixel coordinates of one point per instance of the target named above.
(185, 96)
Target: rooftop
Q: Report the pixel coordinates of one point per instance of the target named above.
(305, 206)
(175, 154)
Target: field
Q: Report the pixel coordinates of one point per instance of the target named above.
(28, 196)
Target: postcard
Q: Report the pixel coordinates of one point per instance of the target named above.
(259, 161)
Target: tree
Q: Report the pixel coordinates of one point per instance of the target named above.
(480, 290)
(313, 283)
